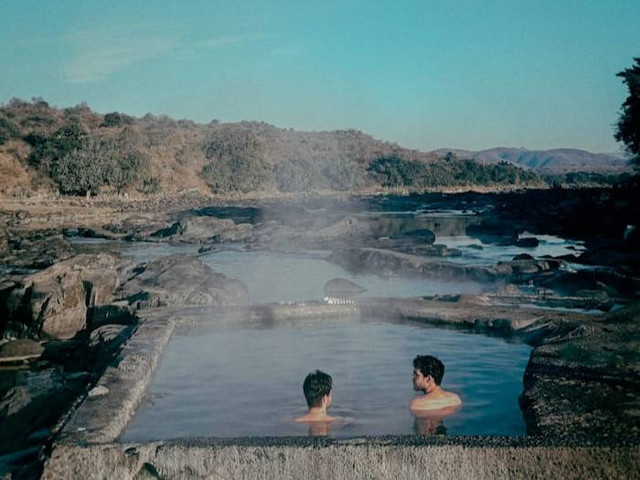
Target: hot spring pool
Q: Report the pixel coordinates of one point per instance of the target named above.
(215, 382)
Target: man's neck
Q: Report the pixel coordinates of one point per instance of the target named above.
(434, 390)
(317, 411)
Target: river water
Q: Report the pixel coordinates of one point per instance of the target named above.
(233, 383)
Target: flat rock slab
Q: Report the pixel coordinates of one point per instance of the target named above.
(182, 280)
(20, 350)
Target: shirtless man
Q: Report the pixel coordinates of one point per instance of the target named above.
(317, 391)
(427, 375)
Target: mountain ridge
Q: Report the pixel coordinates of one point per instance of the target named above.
(557, 160)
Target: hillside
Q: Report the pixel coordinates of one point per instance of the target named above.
(555, 161)
(76, 151)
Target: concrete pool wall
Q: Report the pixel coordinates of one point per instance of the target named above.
(87, 445)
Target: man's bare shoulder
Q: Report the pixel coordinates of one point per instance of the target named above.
(449, 399)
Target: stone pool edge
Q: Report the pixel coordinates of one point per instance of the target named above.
(87, 445)
(407, 457)
(112, 403)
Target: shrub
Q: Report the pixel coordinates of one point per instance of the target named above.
(8, 130)
(236, 175)
(236, 161)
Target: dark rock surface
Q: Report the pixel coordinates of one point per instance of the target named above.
(612, 282)
(584, 378)
(35, 400)
(35, 250)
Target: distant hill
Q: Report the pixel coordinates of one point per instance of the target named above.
(77, 151)
(560, 160)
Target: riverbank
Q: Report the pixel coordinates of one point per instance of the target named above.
(70, 312)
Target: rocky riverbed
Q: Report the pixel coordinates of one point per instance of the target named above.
(67, 310)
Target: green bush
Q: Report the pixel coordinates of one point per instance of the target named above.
(97, 162)
(236, 175)
(116, 119)
(47, 151)
(8, 130)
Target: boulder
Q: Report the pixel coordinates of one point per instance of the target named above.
(53, 303)
(182, 280)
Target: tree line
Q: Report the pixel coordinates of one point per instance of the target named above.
(78, 152)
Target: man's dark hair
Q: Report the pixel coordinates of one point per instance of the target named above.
(429, 365)
(315, 386)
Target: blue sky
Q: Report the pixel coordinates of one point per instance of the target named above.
(425, 74)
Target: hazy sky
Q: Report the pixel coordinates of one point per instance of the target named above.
(426, 74)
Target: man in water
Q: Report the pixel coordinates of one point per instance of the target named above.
(317, 391)
(427, 376)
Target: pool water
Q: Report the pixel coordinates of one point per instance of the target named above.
(232, 383)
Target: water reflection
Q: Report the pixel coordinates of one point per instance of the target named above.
(431, 422)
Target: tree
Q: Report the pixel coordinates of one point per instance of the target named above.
(628, 128)
(116, 119)
(98, 162)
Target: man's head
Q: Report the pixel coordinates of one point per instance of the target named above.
(427, 370)
(317, 388)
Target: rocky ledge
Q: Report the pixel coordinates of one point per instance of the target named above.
(63, 326)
